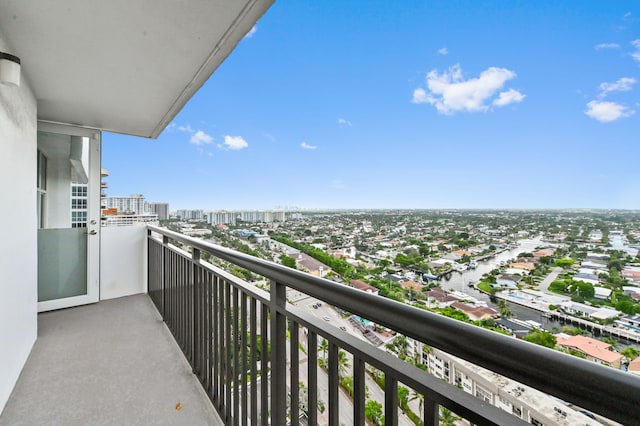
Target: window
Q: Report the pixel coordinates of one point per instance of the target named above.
(79, 203)
(483, 394)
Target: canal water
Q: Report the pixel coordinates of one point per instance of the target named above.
(459, 281)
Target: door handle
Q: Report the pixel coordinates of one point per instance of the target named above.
(92, 232)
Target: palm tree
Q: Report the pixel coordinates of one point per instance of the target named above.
(505, 310)
(415, 395)
(324, 348)
(343, 363)
(447, 418)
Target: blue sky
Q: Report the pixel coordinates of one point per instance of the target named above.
(412, 104)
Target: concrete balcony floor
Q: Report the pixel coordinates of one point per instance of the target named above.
(110, 363)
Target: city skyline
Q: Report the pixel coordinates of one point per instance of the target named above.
(446, 105)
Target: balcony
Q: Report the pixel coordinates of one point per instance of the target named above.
(113, 362)
(250, 349)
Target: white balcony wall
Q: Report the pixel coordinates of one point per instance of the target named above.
(18, 251)
(123, 261)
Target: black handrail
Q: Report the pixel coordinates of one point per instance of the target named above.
(603, 390)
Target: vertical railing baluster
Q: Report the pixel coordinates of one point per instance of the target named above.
(358, 391)
(431, 413)
(165, 242)
(278, 354)
(208, 311)
(195, 320)
(390, 399)
(243, 334)
(253, 320)
(312, 376)
(334, 384)
(264, 364)
(294, 372)
(237, 340)
(228, 345)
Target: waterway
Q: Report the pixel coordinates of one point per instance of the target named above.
(459, 281)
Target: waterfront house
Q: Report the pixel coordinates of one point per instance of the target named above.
(509, 281)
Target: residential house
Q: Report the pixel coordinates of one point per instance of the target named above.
(594, 350)
(587, 278)
(361, 285)
(594, 312)
(602, 293)
(527, 266)
(509, 281)
(440, 297)
(475, 313)
(307, 263)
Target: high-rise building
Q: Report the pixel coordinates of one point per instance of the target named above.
(190, 214)
(133, 204)
(161, 209)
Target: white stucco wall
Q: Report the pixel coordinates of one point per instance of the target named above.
(123, 261)
(18, 251)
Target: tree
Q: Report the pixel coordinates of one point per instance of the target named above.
(505, 310)
(564, 263)
(448, 418)
(373, 411)
(343, 363)
(630, 353)
(417, 396)
(288, 261)
(542, 338)
(324, 348)
(403, 397)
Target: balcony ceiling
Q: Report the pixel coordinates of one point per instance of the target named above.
(119, 65)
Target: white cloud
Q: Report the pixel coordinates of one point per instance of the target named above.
(235, 142)
(307, 146)
(201, 138)
(636, 55)
(343, 122)
(606, 46)
(443, 51)
(450, 93)
(186, 128)
(251, 32)
(509, 97)
(623, 84)
(607, 111)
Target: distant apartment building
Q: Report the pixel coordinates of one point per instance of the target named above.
(127, 219)
(190, 214)
(161, 209)
(134, 204)
(126, 211)
(224, 217)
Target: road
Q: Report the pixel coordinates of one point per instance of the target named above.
(544, 284)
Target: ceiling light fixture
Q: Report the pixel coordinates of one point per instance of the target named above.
(9, 69)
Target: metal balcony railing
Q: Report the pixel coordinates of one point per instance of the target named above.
(245, 346)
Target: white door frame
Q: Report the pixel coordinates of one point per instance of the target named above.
(93, 216)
